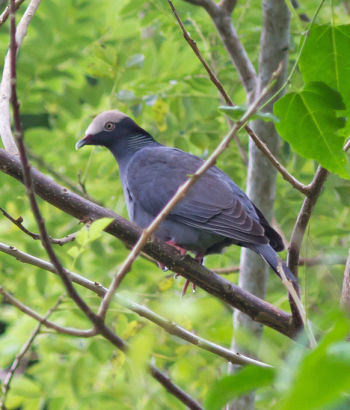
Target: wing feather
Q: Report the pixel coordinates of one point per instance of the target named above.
(213, 204)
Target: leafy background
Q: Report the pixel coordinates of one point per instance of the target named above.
(83, 57)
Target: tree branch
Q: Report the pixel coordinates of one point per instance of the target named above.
(126, 231)
(59, 177)
(259, 143)
(170, 327)
(6, 12)
(19, 223)
(303, 218)
(5, 89)
(166, 382)
(45, 240)
(30, 312)
(7, 381)
(227, 6)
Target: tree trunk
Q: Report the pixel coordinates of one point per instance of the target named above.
(261, 181)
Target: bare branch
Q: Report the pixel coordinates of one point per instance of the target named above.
(6, 12)
(59, 177)
(179, 194)
(28, 182)
(7, 381)
(83, 209)
(259, 143)
(170, 327)
(59, 329)
(223, 23)
(19, 223)
(166, 382)
(280, 168)
(294, 296)
(5, 89)
(228, 6)
(304, 216)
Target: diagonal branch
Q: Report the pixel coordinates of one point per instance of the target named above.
(259, 143)
(28, 182)
(5, 89)
(5, 14)
(19, 223)
(82, 209)
(7, 381)
(315, 189)
(169, 326)
(228, 6)
(166, 382)
(221, 17)
(43, 320)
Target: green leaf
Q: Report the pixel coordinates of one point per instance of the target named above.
(324, 373)
(96, 228)
(309, 122)
(326, 57)
(225, 389)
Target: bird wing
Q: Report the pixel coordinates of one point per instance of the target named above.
(214, 203)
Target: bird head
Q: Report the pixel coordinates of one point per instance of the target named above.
(106, 129)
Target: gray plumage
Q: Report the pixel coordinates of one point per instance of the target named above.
(214, 214)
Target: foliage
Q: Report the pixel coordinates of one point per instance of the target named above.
(83, 57)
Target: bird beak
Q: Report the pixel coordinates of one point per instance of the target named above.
(81, 143)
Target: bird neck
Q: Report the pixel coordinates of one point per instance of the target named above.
(124, 148)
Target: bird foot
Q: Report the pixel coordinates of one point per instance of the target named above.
(199, 258)
(162, 267)
(177, 247)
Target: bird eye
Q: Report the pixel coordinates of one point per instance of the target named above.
(109, 126)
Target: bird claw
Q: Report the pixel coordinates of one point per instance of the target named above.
(162, 267)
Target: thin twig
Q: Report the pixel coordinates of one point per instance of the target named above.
(60, 177)
(297, 302)
(179, 194)
(315, 189)
(260, 144)
(176, 391)
(292, 71)
(30, 312)
(169, 326)
(222, 20)
(19, 223)
(6, 12)
(304, 189)
(19, 357)
(82, 209)
(45, 240)
(5, 88)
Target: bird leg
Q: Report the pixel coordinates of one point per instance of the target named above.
(199, 258)
(177, 247)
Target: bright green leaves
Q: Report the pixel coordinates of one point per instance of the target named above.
(322, 376)
(309, 118)
(229, 387)
(326, 58)
(88, 234)
(310, 123)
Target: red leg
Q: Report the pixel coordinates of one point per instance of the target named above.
(181, 250)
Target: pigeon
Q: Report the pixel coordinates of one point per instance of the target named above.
(214, 214)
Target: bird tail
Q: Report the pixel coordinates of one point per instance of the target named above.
(271, 257)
